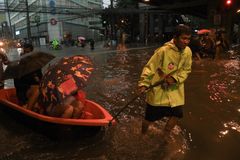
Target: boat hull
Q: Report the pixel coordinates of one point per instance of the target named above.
(100, 116)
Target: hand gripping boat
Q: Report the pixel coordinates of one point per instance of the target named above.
(99, 116)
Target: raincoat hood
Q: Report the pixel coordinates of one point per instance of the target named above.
(172, 46)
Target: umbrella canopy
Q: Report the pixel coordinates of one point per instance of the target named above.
(28, 63)
(64, 78)
(203, 31)
(81, 38)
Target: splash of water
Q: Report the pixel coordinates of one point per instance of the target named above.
(231, 125)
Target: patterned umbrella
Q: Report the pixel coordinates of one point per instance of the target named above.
(64, 78)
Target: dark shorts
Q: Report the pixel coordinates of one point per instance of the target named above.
(154, 113)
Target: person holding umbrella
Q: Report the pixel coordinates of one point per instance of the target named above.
(60, 91)
(27, 73)
(31, 80)
(171, 63)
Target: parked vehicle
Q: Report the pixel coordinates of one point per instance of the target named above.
(55, 45)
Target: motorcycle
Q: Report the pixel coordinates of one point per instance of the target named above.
(55, 45)
(19, 48)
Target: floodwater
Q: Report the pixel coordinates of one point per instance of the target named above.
(210, 129)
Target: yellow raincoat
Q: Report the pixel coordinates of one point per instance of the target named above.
(171, 61)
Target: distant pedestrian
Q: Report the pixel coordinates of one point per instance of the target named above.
(208, 46)
(172, 64)
(92, 42)
(222, 44)
(195, 46)
(138, 40)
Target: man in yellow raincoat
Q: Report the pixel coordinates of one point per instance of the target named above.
(170, 63)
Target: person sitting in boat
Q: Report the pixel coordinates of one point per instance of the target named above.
(71, 107)
(64, 100)
(27, 82)
(60, 90)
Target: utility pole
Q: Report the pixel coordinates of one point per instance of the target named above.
(37, 21)
(111, 5)
(9, 19)
(112, 36)
(28, 22)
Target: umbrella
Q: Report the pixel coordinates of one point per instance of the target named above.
(203, 31)
(28, 63)
(81, 38)
(63, 78)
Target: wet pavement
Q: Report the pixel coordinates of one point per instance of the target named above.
(209, 130)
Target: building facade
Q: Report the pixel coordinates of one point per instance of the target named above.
(45, 20)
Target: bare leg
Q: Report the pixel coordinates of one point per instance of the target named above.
(172, 121)
(198, 56)
(78, 108)
(68, 112)
(32, 95)
(145, 125)
(77, 112)
(37, 108)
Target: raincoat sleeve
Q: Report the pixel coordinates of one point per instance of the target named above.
(150, 69)
(181, 75)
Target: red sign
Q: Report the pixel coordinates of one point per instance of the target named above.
(53, 21)
(228, 2)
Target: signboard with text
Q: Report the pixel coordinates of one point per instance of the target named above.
(53, 21)
(52, 5)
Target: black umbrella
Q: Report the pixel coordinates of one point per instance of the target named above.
(27, 64)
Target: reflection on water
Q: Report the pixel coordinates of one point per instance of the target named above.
(129, 143)
(224, 84)
(229, 125)
(224, 87)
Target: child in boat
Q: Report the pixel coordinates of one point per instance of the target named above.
(72, 107)
(63, 100)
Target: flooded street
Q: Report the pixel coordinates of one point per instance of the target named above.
(210, 129)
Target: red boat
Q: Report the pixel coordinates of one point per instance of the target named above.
(99, 116)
